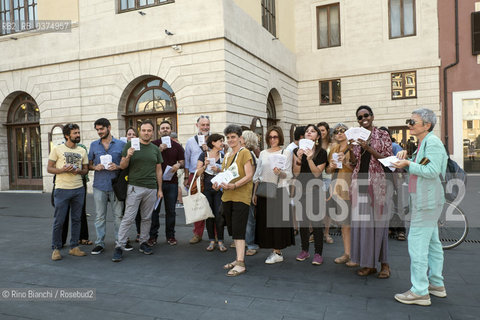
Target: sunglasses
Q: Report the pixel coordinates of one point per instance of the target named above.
(273, 137)
(410, 122)
(364, 116)
(339, 131)
(203, 117)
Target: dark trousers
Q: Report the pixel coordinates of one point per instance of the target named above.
(218, 223)
(66, 199)
(317, 236)
(170, 194)
(83, 221)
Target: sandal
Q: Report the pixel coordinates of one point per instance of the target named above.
(237, 270)
(401, 236)
(230, 265)
(221, 247)
(251, 252)
(352, 264)
(384, 272)
(85, 242)
(328, 239)
(366, 271)
(343, 259)
(211, 246)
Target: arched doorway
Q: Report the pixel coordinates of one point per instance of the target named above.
(271, 111)
(151, 99)
(25, 150)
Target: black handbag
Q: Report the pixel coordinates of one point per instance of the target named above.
(120, 185)
(267, 189)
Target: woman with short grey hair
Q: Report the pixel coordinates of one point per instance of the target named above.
(427, 197)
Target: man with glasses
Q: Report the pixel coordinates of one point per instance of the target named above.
(193, 149)
(173, 159)
(68, 162)
(104, 158)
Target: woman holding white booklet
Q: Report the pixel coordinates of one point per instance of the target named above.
(274, 166)
(209, 163)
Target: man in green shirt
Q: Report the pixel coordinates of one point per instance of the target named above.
(144, 187)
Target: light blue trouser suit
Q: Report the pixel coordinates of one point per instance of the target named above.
(424, 248)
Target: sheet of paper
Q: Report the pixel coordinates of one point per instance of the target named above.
(335, 159)
(124, 139)
(305, 144)
(166, 140)
(201, 140)
(135, 143)
(157, 203)
(168, 174)
(105, 160)
(357, 133)
(387, 162)
(211, 162)
(223, 177)
(278, 161)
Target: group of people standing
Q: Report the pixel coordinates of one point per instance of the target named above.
(266, 203)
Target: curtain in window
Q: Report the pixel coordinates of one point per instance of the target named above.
(323, 27)
(408, 20)
(395, 24)
(334, 26)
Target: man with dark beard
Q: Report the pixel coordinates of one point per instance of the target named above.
(104, 158)
(69, 162)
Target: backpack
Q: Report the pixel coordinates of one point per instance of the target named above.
(455, 180)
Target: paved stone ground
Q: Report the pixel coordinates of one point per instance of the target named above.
(186, 282)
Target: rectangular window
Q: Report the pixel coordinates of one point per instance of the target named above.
(128, 5)
(328, 26)
(17, 15)
(268, 16)
(404, 85)
(330, 92)
(476, 33)
(402, 18)
(469, 124)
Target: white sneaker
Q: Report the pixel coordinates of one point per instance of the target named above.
(274, 258)
(411, 298)
(439, 292)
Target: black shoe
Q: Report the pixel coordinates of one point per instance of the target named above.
(97, 250)
(128, 246)
(117, 255)
(145, 248)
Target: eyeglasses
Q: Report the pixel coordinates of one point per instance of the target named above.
(70, 126)
(203, 117)
(364, 116)
(410, 122)
(339, 131)
(273, 137)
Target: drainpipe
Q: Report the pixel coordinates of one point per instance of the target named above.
(445, 83)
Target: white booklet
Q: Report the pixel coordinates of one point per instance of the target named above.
(168, 173)
(201, 140)
(135, 143)
(223, 177)
(157, 202)
(211, 163)
(387, 162)
(305, 144)
(335, 159)
(166, 140)
(357, 133)
(105, 160)
(278, 161)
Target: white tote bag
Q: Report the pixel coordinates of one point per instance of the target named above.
(196, 205)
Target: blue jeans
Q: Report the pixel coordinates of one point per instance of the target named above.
(250, 233)
(101, 199)
(65, 199)
(170, 194)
